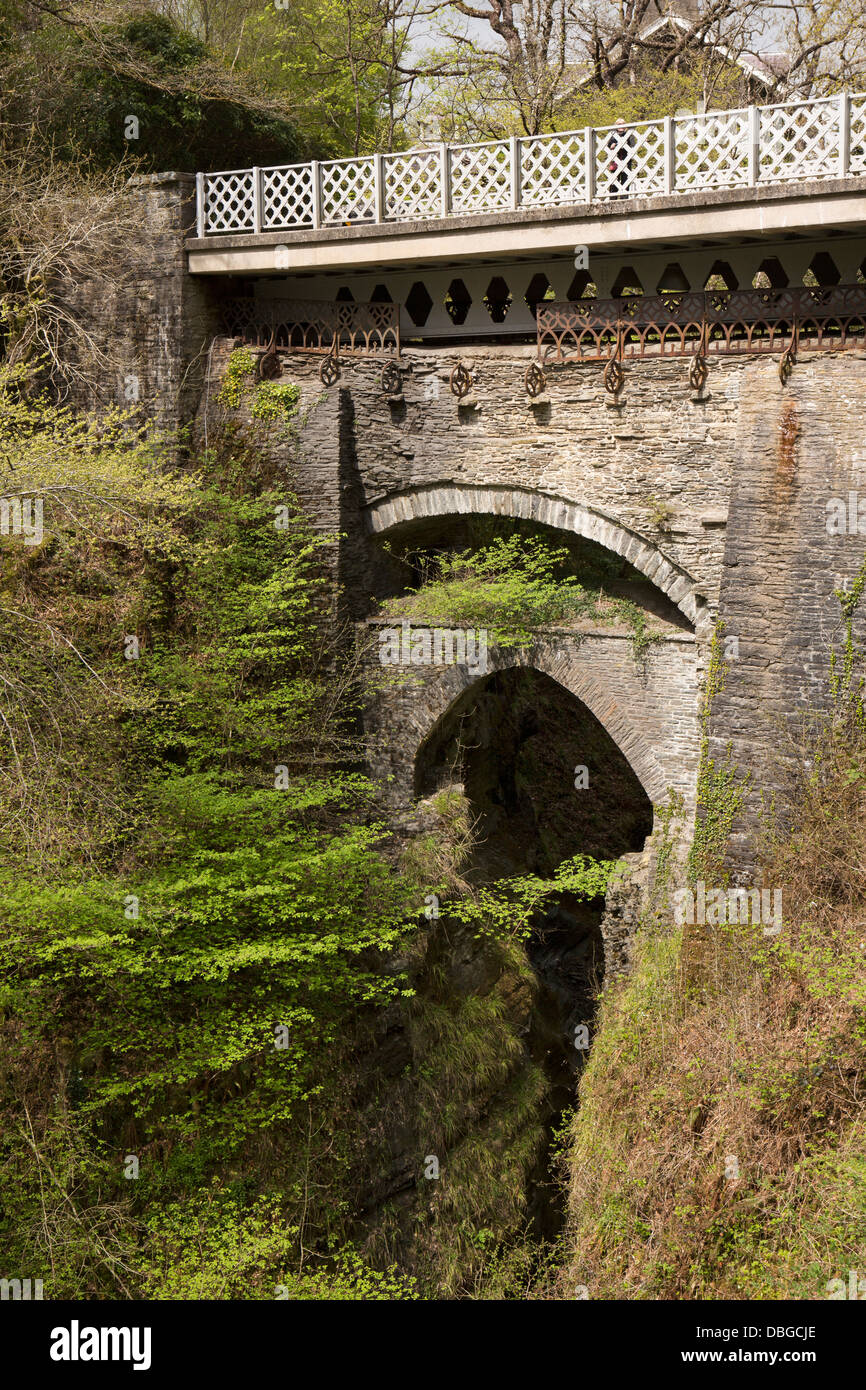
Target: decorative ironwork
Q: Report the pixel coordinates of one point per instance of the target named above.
(749, 147)
(313, 325)
(698, 372)
(392, 381)
(704, 323)
(268, 366)
(461, 381)
(787, 363)
(614, 376)
(329, 371)
(535, 380)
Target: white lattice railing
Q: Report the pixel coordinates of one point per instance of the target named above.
(751, 147)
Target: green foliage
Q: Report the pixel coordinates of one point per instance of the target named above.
(504, 910)
(721, 788)
(276, 402)
(215, 1247)
(79, 83)
(273, 402)
(654, 94)
(515, 586)
(842, 683)
(230, 884)
(335, 64)
(240, 366)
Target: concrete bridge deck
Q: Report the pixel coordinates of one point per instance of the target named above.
(796, 169)
(717, 219)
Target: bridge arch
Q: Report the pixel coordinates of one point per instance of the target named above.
(547, 509)
(616, 719)
(648, 708)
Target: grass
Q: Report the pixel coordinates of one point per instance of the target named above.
(719, 1150)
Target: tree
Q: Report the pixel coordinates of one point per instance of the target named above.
(104, 85)
(825, 45)
(526, 60)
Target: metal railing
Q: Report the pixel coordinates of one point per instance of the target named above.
(709, 321)
(750, 147)
(315, 325)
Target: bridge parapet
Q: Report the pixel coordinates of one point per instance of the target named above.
(750, 147)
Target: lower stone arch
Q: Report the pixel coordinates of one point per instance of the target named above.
(457, 681)
(549, 510)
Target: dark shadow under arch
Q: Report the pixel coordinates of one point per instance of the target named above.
(513, 740)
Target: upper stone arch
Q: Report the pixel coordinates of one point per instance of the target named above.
(549, 510)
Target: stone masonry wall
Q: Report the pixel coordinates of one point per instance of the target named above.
(799, 446)
(152, 319)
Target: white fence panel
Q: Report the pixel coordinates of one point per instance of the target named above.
(857, 162)
(348, 190)
(798, 141)
(480, 177)
(287, 197)
(630, 160)
(229, 202)
(552, 170)
(711, 151)
(413, 187)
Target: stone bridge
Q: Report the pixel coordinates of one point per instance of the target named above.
(713, 494)
(647, 705)
(716, 501)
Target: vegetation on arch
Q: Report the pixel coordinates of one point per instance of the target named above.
(516, 586)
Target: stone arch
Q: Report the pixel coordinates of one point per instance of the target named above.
(549, 510)
(617, 721)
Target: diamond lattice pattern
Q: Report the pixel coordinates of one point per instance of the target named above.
(480, 178)
(552, 170)
(857, 163)
(348, 190)
(630, 162)
(229, 202)
(287, 197)
(413, 187)
(799, 141)
(712, 151)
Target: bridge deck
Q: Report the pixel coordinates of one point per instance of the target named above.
(724, 217)
(796, 168)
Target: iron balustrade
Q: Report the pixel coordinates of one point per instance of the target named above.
(703, 322)
(315, 325)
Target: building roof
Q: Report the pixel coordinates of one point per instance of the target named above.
(766, 68)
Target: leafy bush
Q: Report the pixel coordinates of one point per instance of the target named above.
(515, 586)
